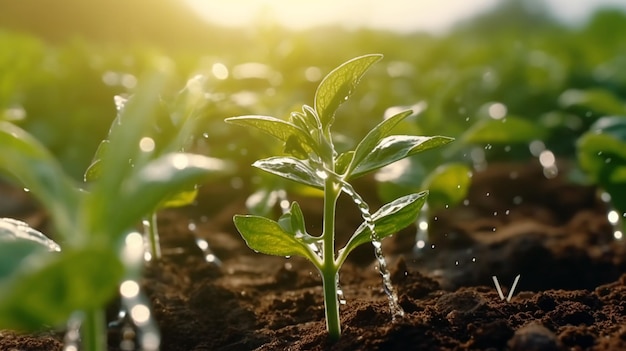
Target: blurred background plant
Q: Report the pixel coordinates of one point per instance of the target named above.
(549, 68)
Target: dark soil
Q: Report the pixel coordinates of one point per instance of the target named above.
(571, 294)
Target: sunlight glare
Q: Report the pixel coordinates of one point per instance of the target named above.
(399, 15)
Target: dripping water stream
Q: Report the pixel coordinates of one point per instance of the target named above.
(396, 309)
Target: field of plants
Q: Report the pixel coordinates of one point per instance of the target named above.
(328, 189)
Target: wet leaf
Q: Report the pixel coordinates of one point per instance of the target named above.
(292, 169)
(389, 219)
(284, 131)
(394, 148)
(267, 236)
(33, 167)
(374, 137)
(339, 84)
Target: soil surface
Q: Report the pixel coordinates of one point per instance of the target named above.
(571, 294)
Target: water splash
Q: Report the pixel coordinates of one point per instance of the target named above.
(340, 296)
(396, 309)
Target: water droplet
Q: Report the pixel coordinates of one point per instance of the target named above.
(517, 200)
(321, 173)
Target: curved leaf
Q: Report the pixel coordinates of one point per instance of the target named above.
(267, 236)
(374, 137)
(46, 291)
(388, 220)
(33, 167)
(277, 128)
(292, 169)
(339, 84)
(145, 189)
(394, 148)
(507, 130)
(448, 184)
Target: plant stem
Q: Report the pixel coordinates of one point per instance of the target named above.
(151, 235)
(93, 331)
(329, 269)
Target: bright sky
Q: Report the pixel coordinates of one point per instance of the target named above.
(400, 15)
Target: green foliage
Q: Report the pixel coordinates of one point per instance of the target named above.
(602, 156)
(45, 288)
(312, 160)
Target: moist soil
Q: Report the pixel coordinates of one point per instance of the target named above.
(555, 234)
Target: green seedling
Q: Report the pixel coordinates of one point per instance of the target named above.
(312, 159)
(92, 227)
(172, 131)
(602, 157)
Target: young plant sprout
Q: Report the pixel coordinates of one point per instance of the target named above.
(499, 289)
(171, 132)
(94, 228)
(601, 154)
(312, 159)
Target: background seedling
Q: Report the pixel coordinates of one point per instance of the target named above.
(173, 130)
(92, 227)
(313, 159)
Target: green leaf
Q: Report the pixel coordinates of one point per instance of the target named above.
(601, 155)
(394, 148)
(292, 169)
(339, 84)
(94, 170)
(284, 131)
(599, 100)
(13, 254)
(292, 222)
(267, 236)
(46, 291)
(12, 229)
(374, 137)
(34, 168)
(614, 126)
(138, 115)
(145, 189)
(507, 130)
(181, 198)
(388, 220)
(448, 184)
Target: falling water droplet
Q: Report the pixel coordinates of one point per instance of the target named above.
(396, 309)
(340, 296)
(203, 245)
(421, 235)
(71, 339)
(613, 216)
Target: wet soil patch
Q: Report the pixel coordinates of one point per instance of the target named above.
(571, 294)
